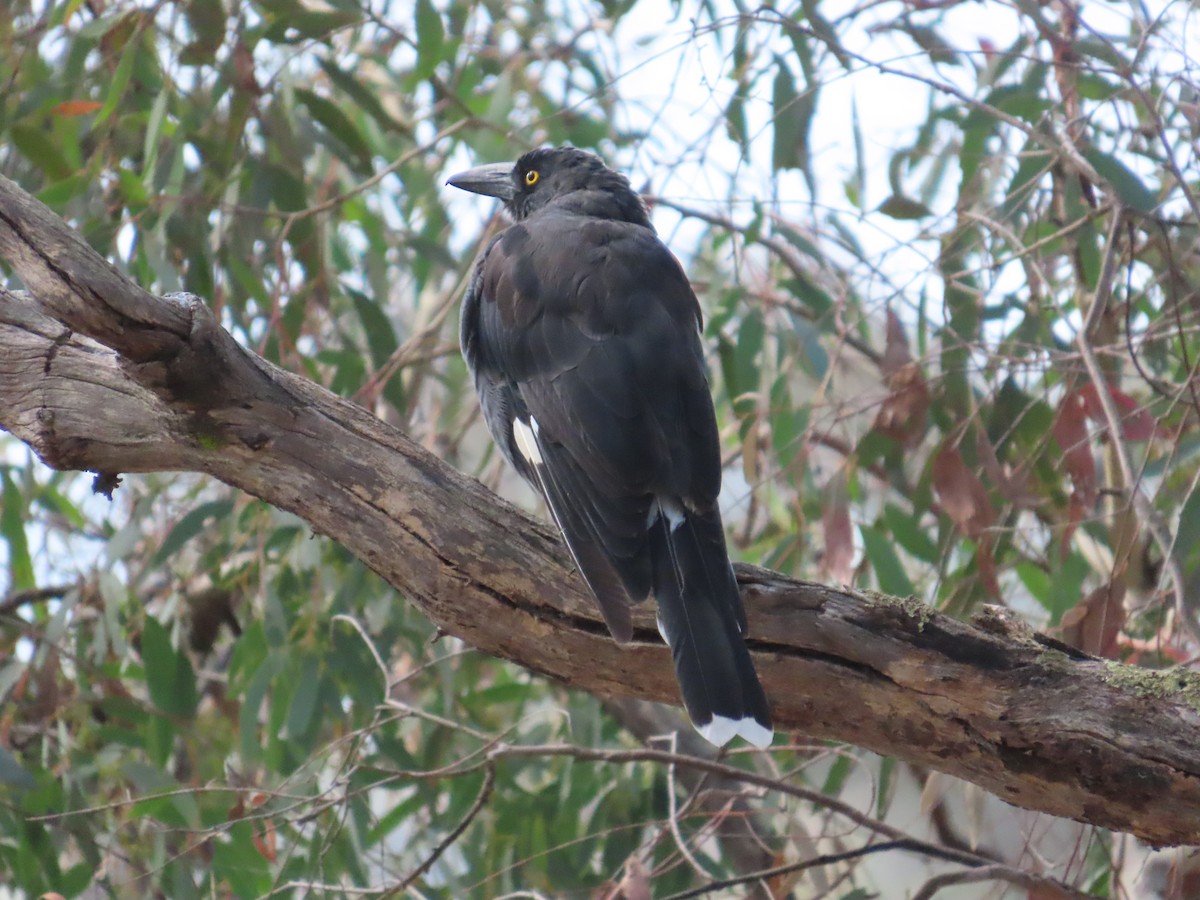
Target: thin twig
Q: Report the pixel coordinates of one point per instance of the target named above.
(17, 599)
(673, 818)
(998, 873)
(1141, 503)
(481, 799)
(362, 632)
(995, 871)
(775, 246)
(506, 751)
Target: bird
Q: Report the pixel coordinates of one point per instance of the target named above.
(583, 336)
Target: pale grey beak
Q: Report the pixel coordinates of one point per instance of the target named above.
(494, 180)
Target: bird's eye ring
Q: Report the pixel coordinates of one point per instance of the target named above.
(531, 177)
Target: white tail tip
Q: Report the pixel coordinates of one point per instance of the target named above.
(721, 729)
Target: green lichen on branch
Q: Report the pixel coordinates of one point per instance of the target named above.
(912, 607)
(1163, 684)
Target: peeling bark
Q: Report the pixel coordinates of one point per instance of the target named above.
(96, 374)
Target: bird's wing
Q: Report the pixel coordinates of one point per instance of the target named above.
(585, 334)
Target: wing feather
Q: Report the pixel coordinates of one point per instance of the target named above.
(590, 329)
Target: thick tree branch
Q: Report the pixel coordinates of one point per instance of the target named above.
(96, 374)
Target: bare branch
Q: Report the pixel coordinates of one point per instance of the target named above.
(17, 599)
(1045, 887)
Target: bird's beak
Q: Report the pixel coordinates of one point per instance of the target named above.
(495, 180)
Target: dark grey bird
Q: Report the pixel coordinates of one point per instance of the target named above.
(583, 336)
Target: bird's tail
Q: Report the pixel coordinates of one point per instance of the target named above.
(700, 617)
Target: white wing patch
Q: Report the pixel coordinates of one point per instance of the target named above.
(526, 438)
(668, 509)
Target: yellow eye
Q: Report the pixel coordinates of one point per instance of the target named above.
(531, 178)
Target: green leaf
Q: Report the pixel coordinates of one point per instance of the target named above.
(792, 114)
(742, 367)
(837, 775)
(381, 337)
(349, 369)
(40, 149)
(1129, 187)
(909, 534)
(888, 571)
(1187, 538)
(365, 99)
(12, 527)
(339, 127)
(304, 700)
(169, 676)
(1020, 100)
(298, 25)
(825, 32)
(931, 42)
(735, 122)
(274, 183)
(814, 360)
(857, 184)
(1102, 50)
(1034, 166)
(252, 700)
(154, 128)
(12, 773)
(190, 526)
(883, 786)
(206, 22)
(119, 83)
(430, 36)
(238, 863)
(897, 206)
(1036, 581)
(160, 795)
(1066, 586)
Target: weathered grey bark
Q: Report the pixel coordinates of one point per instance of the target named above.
(96, 374)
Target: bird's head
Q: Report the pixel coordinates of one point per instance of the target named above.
(565, 177)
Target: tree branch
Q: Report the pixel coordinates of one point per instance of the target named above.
(96, 374)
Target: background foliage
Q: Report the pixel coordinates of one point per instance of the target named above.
(953, 357)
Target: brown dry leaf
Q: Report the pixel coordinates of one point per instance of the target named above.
(1094, 624)
(903, 415)
(237, 811)
(77, 107)
(961, 493)
(1012, 485)
(265, 843)
(783, 885)
(753, 444)
(1135, 421)
(987, 565)
(49, 694)
(1047, 892)
(934, 792)
(964, 499)
(839, 534)
(896, 353)
(1070, 430)
(636, 883)
(243, 69)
